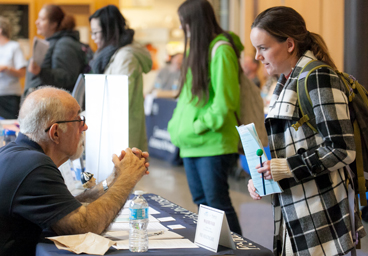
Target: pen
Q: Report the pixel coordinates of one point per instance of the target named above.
(156, 233)
(260, 153)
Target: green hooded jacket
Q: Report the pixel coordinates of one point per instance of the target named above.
(208, 129)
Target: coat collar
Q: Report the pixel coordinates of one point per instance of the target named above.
(283, 103)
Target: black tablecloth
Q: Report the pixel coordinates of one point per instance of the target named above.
(183, 217)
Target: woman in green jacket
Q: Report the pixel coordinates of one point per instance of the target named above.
(203, 123)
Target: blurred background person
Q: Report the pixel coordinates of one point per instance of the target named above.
(203, 123)
(12, 67)
(268, 87)
(167, 81)
(65, 59)
(117, 54)
(250, 69)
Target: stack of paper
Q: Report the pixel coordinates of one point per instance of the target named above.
(158, 235)
(40, 48)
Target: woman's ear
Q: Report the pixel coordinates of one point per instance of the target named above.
(54, 26)
(290, 44)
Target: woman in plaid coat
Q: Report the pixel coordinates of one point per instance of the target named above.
(312, 214)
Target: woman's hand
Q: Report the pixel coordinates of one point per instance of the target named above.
(252, 190)
(34, 68)
(266, 170)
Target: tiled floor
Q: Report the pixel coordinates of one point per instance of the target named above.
(255, 216)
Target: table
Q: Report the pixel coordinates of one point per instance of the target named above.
(183, 217)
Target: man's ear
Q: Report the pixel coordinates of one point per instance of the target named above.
(54, 133)
(290, 44)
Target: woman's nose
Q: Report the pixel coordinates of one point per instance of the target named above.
(258, 56)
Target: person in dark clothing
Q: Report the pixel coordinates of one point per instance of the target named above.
(64, 60)
(33, 193)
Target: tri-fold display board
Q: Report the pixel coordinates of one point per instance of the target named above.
(107, 117)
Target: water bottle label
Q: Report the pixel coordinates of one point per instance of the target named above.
(138, 214)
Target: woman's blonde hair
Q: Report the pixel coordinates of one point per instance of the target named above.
(284, 22)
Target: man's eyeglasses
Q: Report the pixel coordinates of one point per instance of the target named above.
(83, 120)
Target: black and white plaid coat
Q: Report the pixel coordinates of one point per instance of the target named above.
(314, 203)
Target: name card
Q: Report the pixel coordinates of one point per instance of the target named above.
(212, 229)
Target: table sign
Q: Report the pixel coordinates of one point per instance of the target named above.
(212, 229)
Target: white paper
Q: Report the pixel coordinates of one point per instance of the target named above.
(251, 143)
(152, 211)
(125, 218)
(161, 244)
(165, 219)
(119, 226)
(124, 235)
(107, 115)
(177, 226)
(40, 48)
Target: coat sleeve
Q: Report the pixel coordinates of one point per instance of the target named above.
(225, 85)
(65, 67)
(330, 106)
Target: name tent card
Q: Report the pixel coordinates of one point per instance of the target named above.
(212, 229)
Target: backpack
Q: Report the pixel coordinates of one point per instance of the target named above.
(88, 57)
(358, 108)
(251, 102)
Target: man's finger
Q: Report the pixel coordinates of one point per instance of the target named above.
(115, 159)
(122, 154)
(137, 152)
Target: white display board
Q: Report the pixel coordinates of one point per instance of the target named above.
(107, 117)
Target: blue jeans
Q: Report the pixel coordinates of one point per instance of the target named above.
(207, 179)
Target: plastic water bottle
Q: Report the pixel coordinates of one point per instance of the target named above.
(9, 136)
(138, 222)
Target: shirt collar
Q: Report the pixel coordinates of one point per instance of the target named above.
(24, 140)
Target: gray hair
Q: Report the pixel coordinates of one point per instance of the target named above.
(38, 115)
(5, 26)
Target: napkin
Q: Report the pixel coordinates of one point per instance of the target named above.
(89, 243)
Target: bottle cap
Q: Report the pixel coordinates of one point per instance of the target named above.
(138, 192)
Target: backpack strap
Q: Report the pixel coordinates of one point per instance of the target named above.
(217, 44)
(305, 103)
(213, 52)
(359, 165)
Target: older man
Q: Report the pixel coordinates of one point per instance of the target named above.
(33, 193)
